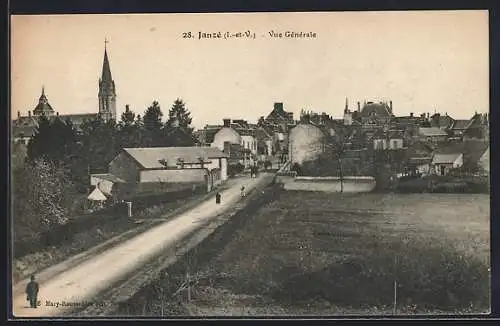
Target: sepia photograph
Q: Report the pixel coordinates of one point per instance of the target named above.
(289, 164)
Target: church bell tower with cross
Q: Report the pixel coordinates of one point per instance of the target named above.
(107, 91)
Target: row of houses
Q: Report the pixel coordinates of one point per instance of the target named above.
(449, 144)
(248, 143)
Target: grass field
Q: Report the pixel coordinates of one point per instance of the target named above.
(311, 253)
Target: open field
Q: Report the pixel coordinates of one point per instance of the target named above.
(309, 253)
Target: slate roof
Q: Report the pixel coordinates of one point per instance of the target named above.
(149, 158)
(432, 131)
(380, 110)
(460, 124)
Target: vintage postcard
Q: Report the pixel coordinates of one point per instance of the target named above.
(250, 164)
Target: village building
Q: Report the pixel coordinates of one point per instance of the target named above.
(306, 142)
(464, 157)
(432, 135)
(442, 164)
(444, 122)
(376, 113)
(136, 170)
(390, 140)
(418, 158)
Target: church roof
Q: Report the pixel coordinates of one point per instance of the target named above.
(43, 105)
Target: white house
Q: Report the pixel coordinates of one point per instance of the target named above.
(305, 143)
(226, 134)
(443, 163)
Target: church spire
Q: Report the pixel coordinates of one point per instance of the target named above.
(106, 70)
(107, 92)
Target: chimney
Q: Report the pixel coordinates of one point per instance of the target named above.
(390, 105)
(29, 113)
(18, 114)
(227, 122)
(359, 106)
(278, 106)
(57, 113)
(411, 114)
(127, 108)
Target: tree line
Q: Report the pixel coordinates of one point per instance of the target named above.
(60, 158)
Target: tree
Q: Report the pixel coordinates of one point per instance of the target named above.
(43, 196)
(178, 113)
(177, 129)
(129, 130)
(128, 117)
(100, 144)
(337, 145)
(54, 140)
(153, 125)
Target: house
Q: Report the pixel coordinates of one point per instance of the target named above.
(376, 113)
(443, 163)
(392, 140)
(206, 135)
(239, 132)
(474, 156)
(443, 122)
(478, 127)
(226, 134)
(432, 135)
(418, 158)
(306, 142)
(459, 127)
(264, 143)
(148, 168)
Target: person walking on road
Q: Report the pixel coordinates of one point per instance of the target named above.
(32, 292)
(217, 198)
(242, 191)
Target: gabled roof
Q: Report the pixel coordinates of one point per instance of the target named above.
(151, 157)
(445, 158)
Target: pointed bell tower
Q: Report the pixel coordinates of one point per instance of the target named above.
(107, 91)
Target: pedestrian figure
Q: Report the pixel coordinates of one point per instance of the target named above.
(242, 191)
(217, 198)
(32, 292)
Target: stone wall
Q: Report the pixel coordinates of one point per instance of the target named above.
(326, 184)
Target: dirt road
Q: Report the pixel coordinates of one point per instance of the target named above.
(80, 285)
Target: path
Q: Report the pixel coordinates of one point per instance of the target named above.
(81, 284)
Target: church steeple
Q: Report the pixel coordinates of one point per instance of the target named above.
(107, 91)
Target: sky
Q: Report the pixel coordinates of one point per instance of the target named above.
(424, 61)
